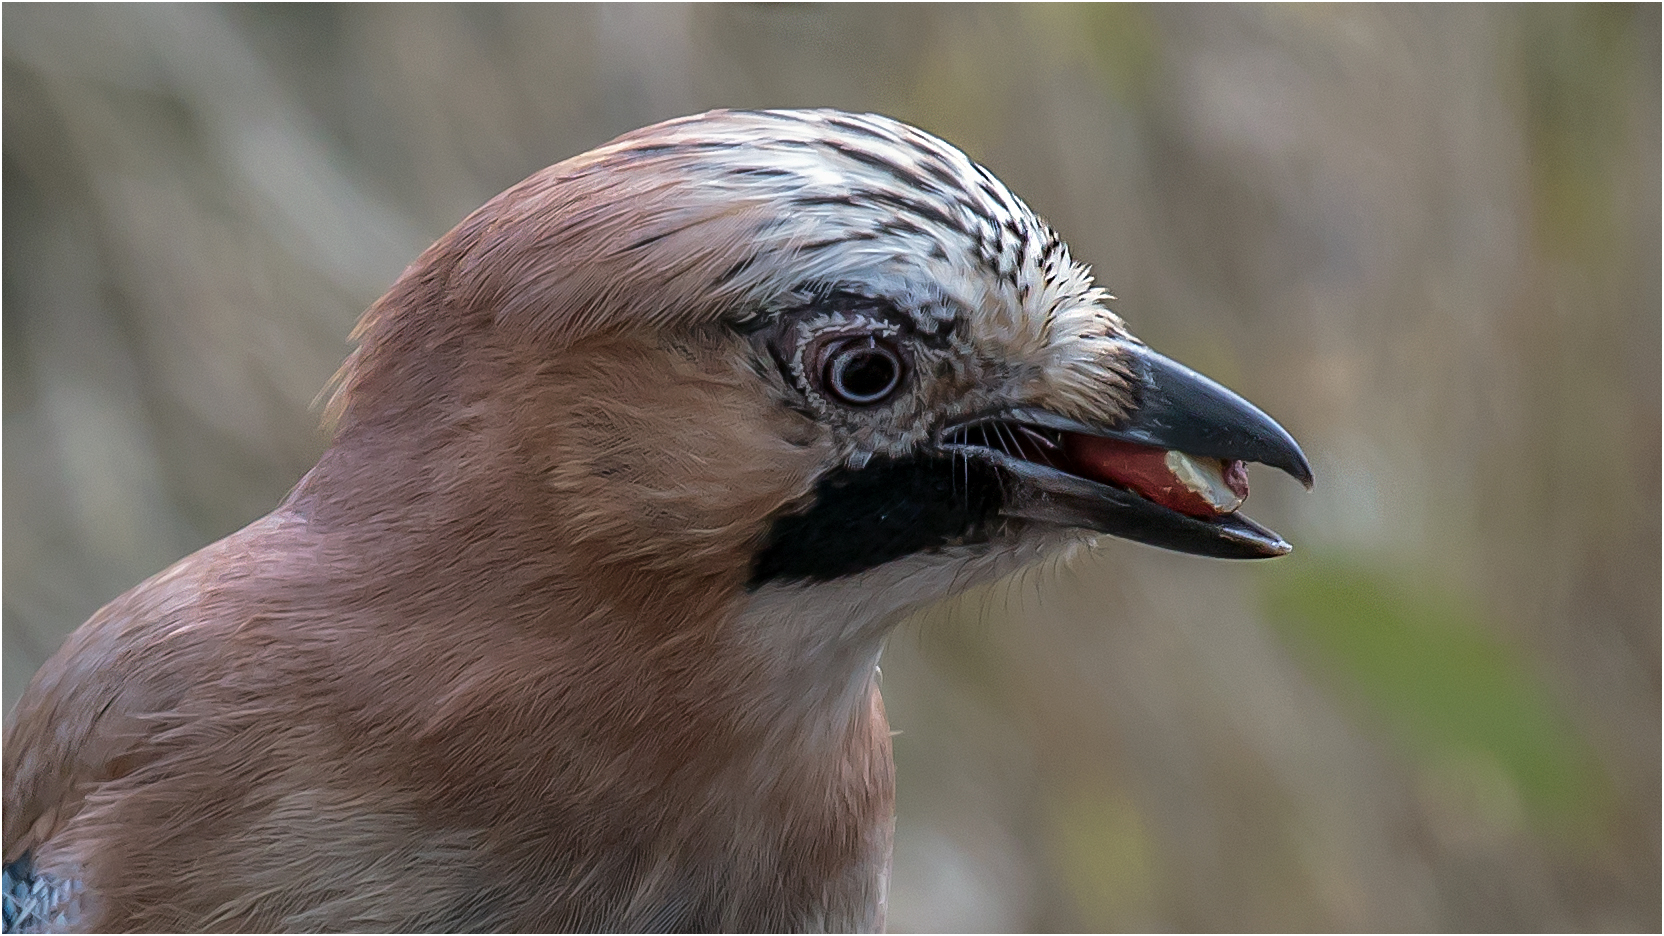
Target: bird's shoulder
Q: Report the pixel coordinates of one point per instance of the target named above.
(122, 678)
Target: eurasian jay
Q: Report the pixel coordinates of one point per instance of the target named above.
(576, 624)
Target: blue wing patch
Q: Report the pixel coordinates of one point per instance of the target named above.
(37, 903)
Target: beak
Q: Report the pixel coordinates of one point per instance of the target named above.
(1168, 472)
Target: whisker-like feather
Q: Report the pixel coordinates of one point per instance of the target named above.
(1044, 447)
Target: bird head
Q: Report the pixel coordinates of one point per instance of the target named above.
(632, 471)
(763, 348)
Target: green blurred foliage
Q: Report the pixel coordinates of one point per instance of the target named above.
(1119, 41)
(1425, 663)
(1573, 57)
(1104, 853)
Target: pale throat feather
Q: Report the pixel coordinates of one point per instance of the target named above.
(815, 646)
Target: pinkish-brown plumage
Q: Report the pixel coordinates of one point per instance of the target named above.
(575, 625)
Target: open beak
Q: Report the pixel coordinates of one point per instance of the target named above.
(1169, 473)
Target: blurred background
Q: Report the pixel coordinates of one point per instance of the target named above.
(1426, 239)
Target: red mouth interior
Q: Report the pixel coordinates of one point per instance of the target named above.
(1142, 469)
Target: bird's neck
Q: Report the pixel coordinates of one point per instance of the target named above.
(560, 687)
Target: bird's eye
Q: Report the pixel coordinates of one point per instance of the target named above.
(862, 371)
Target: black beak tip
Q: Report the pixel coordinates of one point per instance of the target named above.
(1248, 539)
(1281, 547)
(1182, 409)
(1297, 466)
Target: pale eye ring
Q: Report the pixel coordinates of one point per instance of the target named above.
(862, 371)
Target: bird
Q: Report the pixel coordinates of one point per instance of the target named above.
(576, 622)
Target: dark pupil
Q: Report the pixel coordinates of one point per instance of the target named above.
(864, 375)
